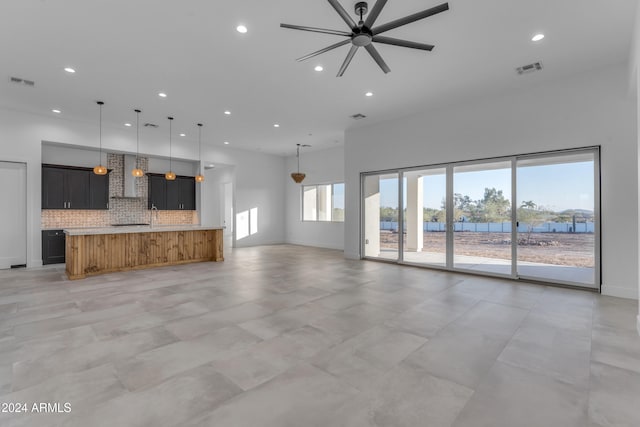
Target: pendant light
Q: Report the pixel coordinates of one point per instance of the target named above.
(200, 177)
(297, 176)
(100, 170)
(170, 176)
(137, 172)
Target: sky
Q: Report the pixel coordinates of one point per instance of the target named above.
(554, 187)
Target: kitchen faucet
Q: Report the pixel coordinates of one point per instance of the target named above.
(153, 208)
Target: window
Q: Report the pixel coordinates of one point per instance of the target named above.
(323, 202)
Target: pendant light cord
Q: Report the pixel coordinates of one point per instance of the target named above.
(100, 103)
(137, 138)
(200, 145)
(298, 156)
(170, 151)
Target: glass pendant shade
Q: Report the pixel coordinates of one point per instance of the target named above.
(138, 173)
(170, 176)
(100, 170)
(199, 178)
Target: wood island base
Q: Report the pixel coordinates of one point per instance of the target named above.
(89, 254)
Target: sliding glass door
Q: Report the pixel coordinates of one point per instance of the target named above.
(381, 222)
(557, 217)
(425, 195)
(482, 215)
(530, 216)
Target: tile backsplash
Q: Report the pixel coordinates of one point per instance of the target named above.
(121, 211)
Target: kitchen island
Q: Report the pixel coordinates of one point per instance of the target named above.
(92, 251)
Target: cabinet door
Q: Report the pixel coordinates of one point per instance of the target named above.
(174, 199)
(157, 192)
(188, 193)
(76, 188)
(98, 191)
(53, 247)
(53, 188)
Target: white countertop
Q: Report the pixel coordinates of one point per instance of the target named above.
(135, 229)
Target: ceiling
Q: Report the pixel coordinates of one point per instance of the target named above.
(125, 52)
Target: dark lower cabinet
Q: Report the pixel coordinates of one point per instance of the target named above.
(53, 247)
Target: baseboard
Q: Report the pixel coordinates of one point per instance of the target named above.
(35, 264)
(620, 292)
(352, 255)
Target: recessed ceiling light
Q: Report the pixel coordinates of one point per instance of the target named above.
(368, 94)
(55, 110)
(183, 134)
(318, 68)
(537, 37)
(226, 143)
(128, 125)
(228, 113)
(276, 125)
(70, 70)
(241, 29)
(162, 95)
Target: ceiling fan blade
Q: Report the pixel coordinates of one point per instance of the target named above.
(403, 43)
(373, 15)
(343, 13)
(326, 49)
(316, 30)
(347, 60)
(376, 57)
(411, 18)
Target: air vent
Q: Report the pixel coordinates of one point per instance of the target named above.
(530, 68)
(358, 116)
(151, 125)
(19, 81)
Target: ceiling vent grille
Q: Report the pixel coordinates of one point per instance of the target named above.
(151, 125)
(358, 116)
(19, 81)
(530, 68)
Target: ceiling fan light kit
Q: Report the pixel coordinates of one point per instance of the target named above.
(364, 34)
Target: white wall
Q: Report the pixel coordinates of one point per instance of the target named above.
(587, 110)
(259, 181)
(322, 167)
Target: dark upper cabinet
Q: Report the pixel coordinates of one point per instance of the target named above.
(173, 194)
(73, 188)
(76, 187)
(53, 196)
(98, 191)
(179, 194)
(157, 192)
(188, 193)
(53, 247)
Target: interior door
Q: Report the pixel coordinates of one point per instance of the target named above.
(13, 215)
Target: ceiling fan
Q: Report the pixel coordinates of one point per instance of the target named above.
(363, 34)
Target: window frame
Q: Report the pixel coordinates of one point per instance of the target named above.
(330, 199)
